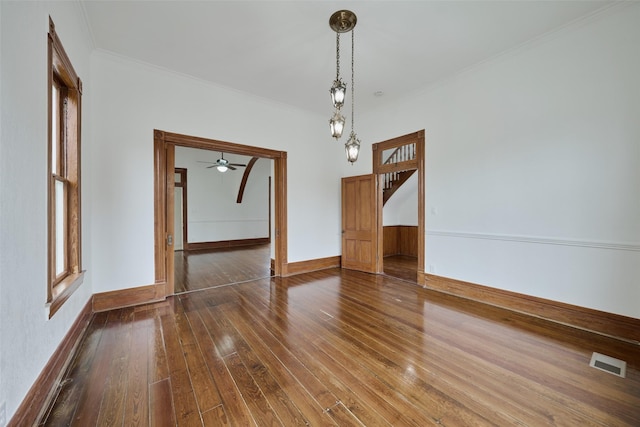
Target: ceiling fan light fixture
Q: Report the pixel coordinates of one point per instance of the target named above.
(222, 168)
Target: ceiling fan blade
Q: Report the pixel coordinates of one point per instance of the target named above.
(212, 166)
(202, 161)
(238, 164)
(231, 167)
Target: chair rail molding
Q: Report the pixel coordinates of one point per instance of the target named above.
(620, 246)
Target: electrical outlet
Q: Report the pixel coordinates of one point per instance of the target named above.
(3, 414)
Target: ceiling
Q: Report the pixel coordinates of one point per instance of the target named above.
(285, 50)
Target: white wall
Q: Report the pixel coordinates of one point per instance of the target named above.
(27, 337)
(212, 212)
(533, 166)
(132, 99)
(402, 207)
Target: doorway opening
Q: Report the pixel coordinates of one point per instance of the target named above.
(222, 219)
(165, 184)
(398, 164)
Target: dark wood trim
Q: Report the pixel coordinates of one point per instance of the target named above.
(164, 144)
(170, 199)
(43, 389)
(183, 184)
(280, 212)
(421, 155)
(609, 324)
(269, 207)
(245, 178)
(160, 205)
(198, 246)
(60, 72)
(217, 145)
(380, 168)
(300, 267)
(105, 301)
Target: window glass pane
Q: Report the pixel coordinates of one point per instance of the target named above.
(55, 126)
(61, 232)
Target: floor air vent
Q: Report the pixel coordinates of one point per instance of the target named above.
(608, 364)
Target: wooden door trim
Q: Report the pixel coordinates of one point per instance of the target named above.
(164, 146)
(183, 184)
(418, 164)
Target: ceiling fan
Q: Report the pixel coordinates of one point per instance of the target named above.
(223, 164)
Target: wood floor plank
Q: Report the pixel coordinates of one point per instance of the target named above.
(113, 402)
(136, 411)
(161, 410)
(184, 401)
(158, 368)
(215, 417)
(343, 416)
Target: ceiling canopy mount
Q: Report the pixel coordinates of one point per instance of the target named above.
(343, 21)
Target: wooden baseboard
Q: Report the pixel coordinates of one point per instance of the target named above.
(199, 246)
(613, 325)
(105, 301)
(43, 390)
(300, 267)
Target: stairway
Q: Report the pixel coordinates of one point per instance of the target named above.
(394, 180)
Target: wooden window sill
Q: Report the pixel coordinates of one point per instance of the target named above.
(63, 290)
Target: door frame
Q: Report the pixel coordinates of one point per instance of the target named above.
(183, 184)
(164, 144)
(418, 163)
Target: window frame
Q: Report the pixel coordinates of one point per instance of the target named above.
(62, 282)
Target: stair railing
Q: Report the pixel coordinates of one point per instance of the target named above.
(400, 154)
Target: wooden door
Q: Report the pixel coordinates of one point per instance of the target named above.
(360, 223)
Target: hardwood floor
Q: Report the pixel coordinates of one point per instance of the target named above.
(195, 270)
(401, 266)
(339, 347)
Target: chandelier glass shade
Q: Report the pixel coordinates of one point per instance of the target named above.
(352, 148)
(337, 124)
(338, 93)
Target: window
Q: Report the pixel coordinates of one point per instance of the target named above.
(65, 91)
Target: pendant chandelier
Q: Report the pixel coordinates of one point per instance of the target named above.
(343, 21)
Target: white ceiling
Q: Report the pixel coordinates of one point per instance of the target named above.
(285, 50)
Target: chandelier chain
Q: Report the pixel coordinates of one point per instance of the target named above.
(353, 99)
(337, 55)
